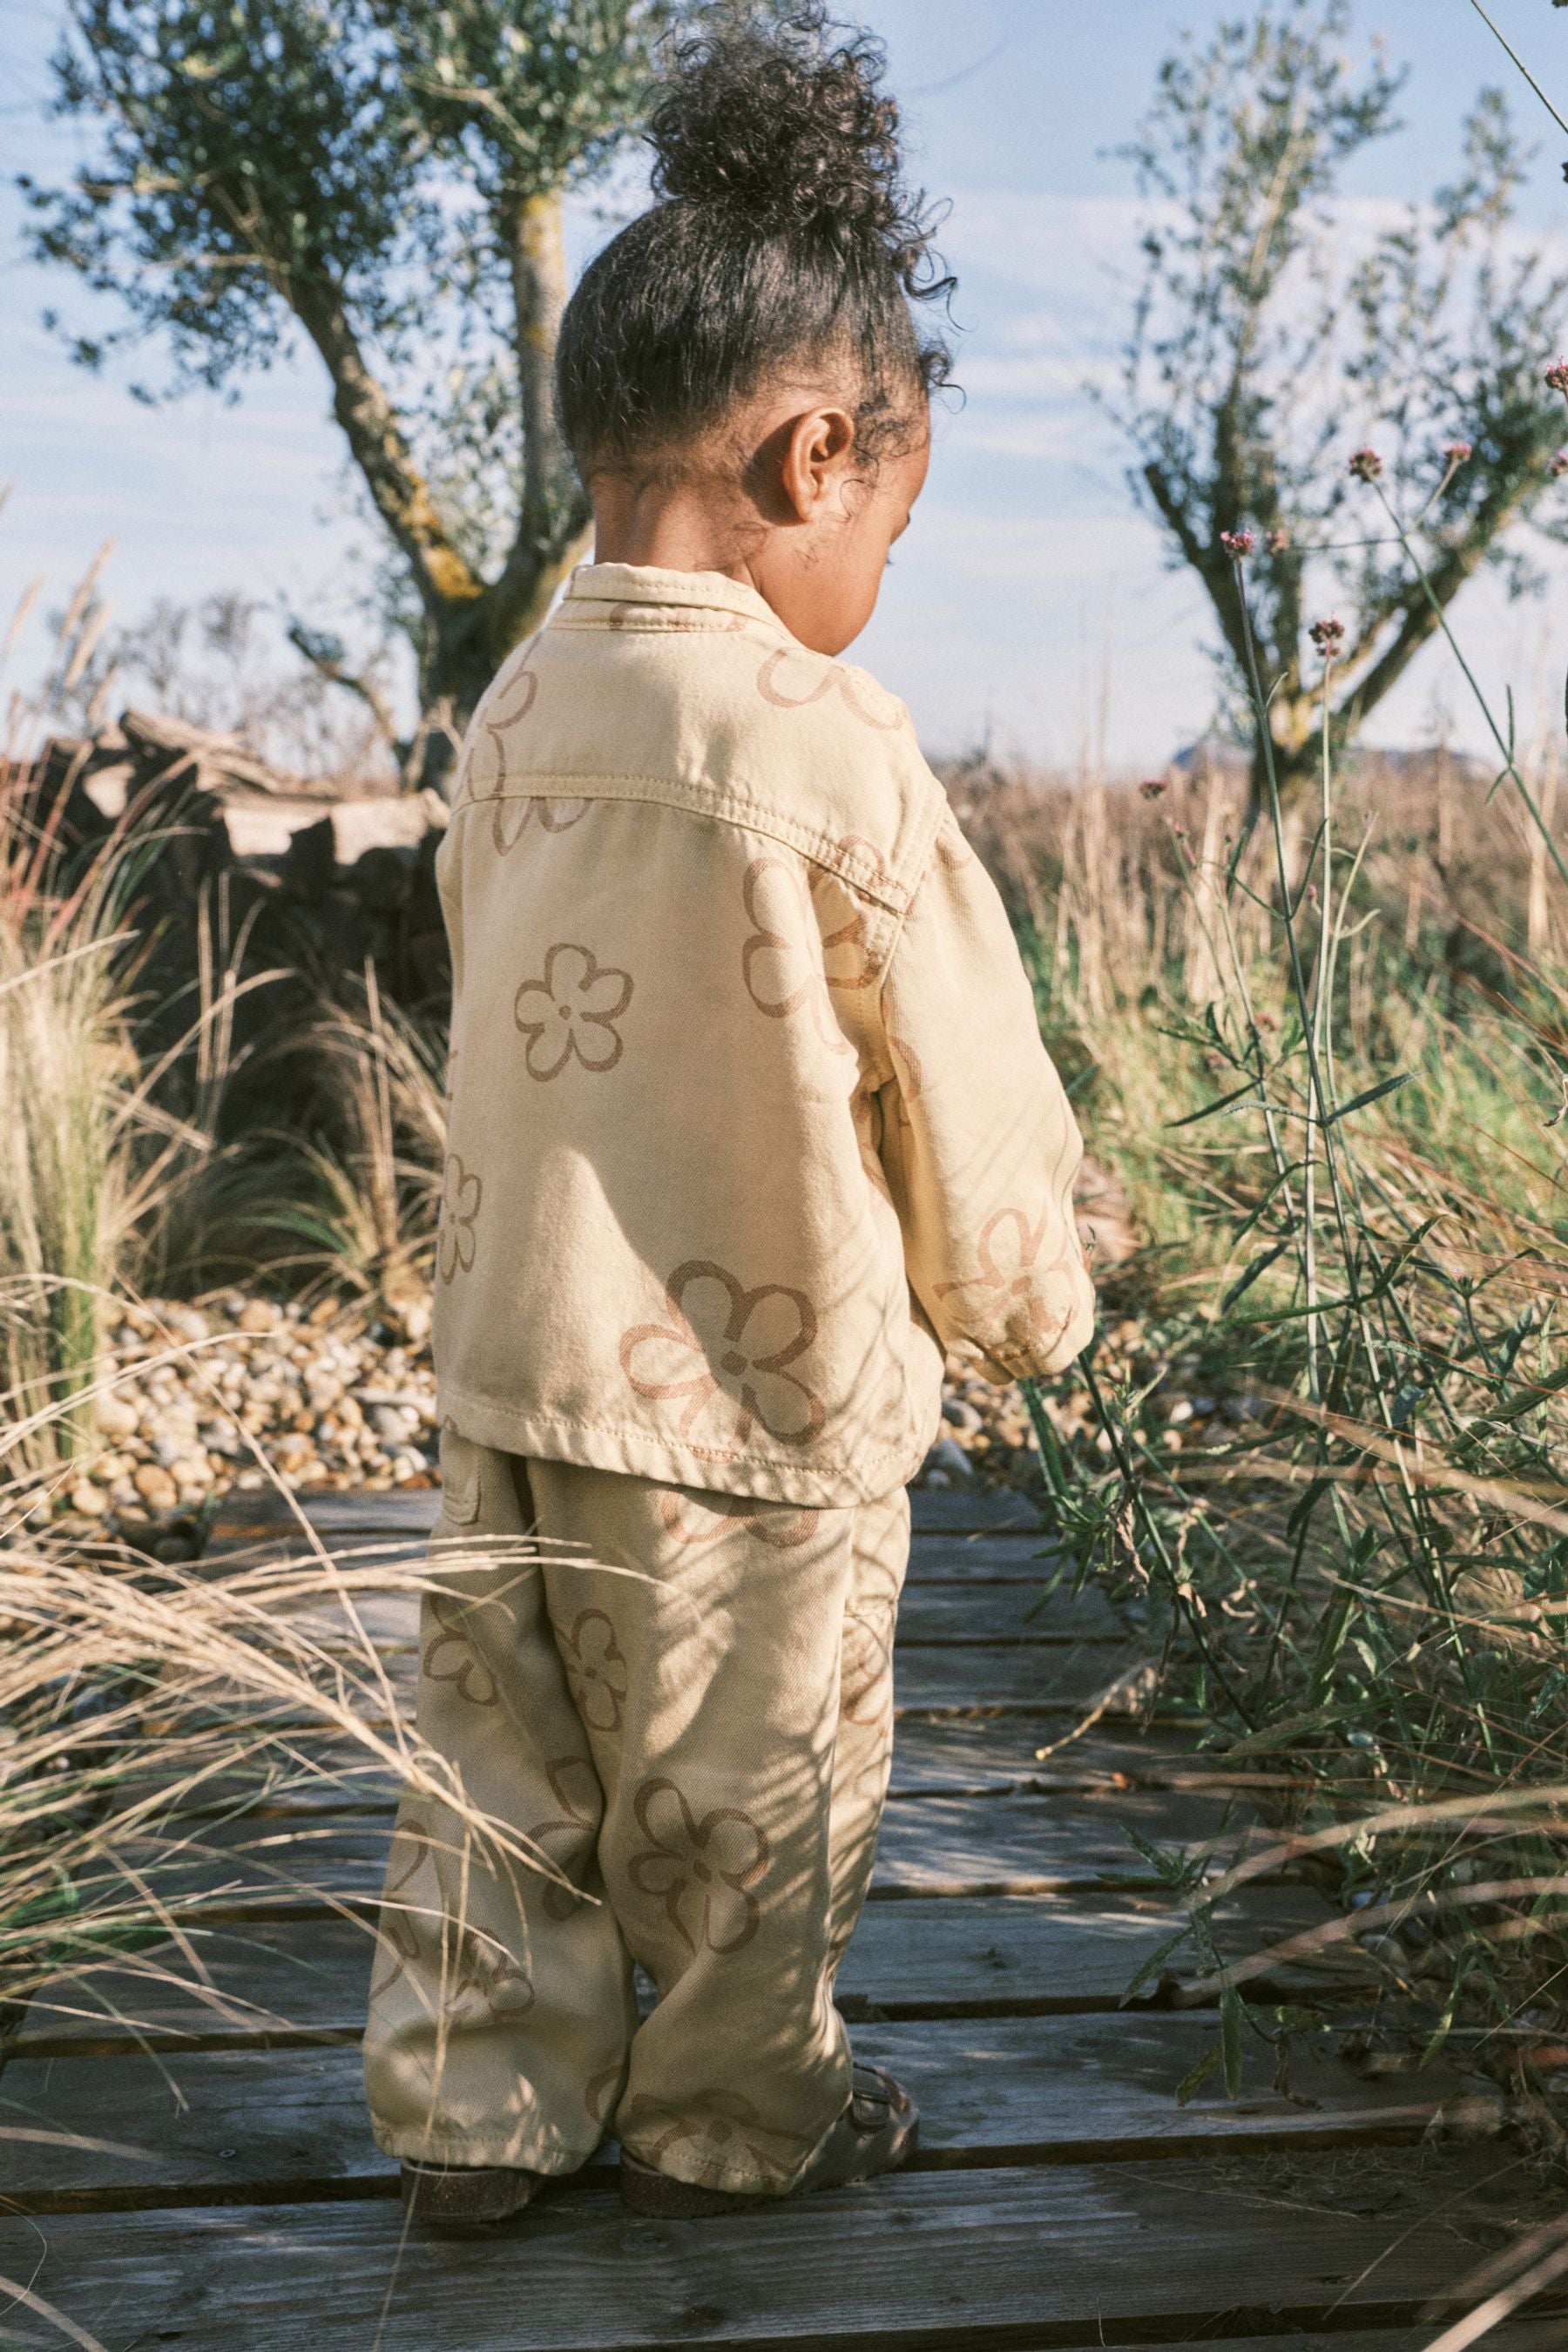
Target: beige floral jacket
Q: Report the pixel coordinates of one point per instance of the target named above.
(750, 1113)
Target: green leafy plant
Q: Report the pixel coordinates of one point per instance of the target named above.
(1266, 328)
(386, 180)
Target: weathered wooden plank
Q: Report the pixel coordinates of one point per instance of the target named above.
(1016, 1677)
(986, 1559)
(409, 1514)
(1054, 2255)
(1015, 1842)
(1064, 1953)
(973, 1510)
(935, 1756)
(1002, 1843)
(1010, 1611)
(952, 1754)
(404, 1514)
(983, 1556)
(1026, 1678)
(1521, 2336)
(1031, 1679)
(210, 2128)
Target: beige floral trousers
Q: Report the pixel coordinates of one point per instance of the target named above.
(682, 1702)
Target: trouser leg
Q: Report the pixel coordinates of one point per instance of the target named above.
(864, 1755)
(502, 2006)
(709, 1678)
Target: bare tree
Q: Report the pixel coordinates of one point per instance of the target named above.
(1275, 331)
(385, 177)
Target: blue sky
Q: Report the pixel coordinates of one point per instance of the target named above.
(1030, 603)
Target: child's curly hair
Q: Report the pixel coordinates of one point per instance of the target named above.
(785, 237)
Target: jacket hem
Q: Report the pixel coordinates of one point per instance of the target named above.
(639, 1453)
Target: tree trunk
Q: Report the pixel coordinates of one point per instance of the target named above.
(1295, 766)
(469, 636)
(467, 640)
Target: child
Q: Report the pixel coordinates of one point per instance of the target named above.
(751, 1122)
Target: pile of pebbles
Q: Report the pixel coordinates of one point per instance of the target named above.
(334, 1397)
(342, 1396)
(987, 1439)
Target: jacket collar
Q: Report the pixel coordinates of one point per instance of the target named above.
(603, 585)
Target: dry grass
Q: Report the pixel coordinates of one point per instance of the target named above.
(1367, 1573)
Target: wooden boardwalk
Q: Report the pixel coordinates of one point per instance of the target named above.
(210, 2180)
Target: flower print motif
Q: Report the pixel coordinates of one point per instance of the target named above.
(714, 2127)
(603, 2094)
(595, 1669)
(694, 1520)
(485, 777)
(790, 681)
(723, 1355)
(856, 846)
(1030, 1305)
(484, 1982)
(485, 773)
(572, 1012)
(866, 1114)
(451, 1656)
(568, 1839)
(397, 1928)
(791, 958)
(701, 1870)
(481, 1980)
(548, 815)
(462, 1194)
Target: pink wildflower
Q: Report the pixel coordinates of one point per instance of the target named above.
(1366, 464)
(1557, 376)
(1236, 543)
(1559, 464)
(1151, 787)
(1455, 452)
(1328, 636)
(1277, 541)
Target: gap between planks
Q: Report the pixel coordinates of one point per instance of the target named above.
(1051, 2256)
(302, 1983)
(206, 2129)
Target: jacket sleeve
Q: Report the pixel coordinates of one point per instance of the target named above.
(979, 1144)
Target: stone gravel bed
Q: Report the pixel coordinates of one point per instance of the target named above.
(342, 1396)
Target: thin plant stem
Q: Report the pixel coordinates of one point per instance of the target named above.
(1505, 748)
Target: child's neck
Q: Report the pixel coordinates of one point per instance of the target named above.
(675, 527)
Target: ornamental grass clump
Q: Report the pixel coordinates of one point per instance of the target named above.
(1343, 1118)
(173, 1739)
(67, 1075)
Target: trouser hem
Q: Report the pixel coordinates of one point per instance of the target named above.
(732, 2179)
(508, 2156)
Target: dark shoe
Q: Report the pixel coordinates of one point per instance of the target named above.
(877, 2132)
(458, 2198)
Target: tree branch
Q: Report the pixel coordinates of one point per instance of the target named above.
(381, 450)
(555, 517)
(1211, 565)
(537, 255)
(1420, 622)
(325, 657)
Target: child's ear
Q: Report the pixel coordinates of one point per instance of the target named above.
(817, 451)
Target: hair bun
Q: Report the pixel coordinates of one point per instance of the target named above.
(768, 120)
